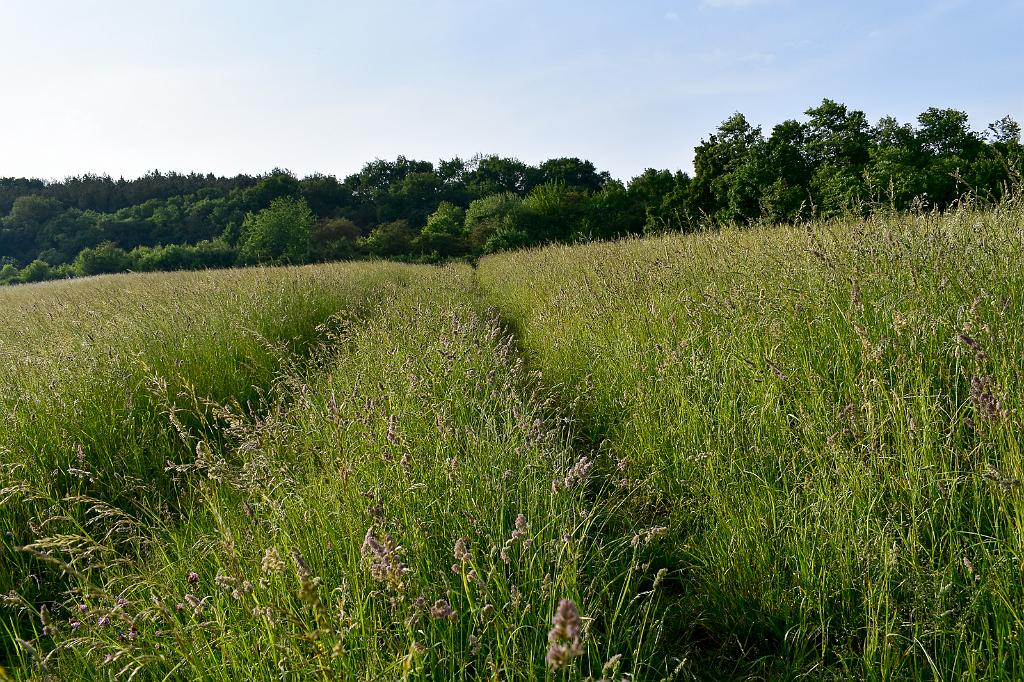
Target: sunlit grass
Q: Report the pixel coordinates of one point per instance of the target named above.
(827, 420)
(771, 453)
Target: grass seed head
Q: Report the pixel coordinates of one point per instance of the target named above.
(985, 401)
(442, 610)
(564, 639)
(382, 556)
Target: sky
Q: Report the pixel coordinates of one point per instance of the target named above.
(123, 88)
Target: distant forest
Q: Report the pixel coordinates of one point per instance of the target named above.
(833, 163)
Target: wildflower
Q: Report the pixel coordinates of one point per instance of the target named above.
(393, 429)
(225, 582)
(443, 610)
(82, 608)
(564, 639)
(970, 568)
(193, 578)
(376, 512)
(984, 399)
(993, 474)
(520, 534)
(121, 602)
(44, 620)
(272, 563)
(462, 549)
(649, 536)
(308, 591)
(309, 586)
(536, 432)
(611, 667)
(382, 557)
(416, 611)
(576, 474)
(777, 371)
(104, 621)
(74, 623)
(899, 321)
(196, 604)
(973, 345)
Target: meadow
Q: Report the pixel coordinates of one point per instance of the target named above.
(762, 453)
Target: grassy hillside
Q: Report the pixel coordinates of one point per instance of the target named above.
(774, 453)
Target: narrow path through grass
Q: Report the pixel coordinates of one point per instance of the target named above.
(774, 455)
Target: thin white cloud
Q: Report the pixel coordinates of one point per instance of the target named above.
(726, 58)
(734, 4)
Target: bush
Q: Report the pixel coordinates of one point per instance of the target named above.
(107, 257)
(37, 271)
(279, 233)
(497, 214)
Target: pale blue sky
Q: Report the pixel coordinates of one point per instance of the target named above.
(124, 87)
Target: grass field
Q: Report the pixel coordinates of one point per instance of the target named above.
(778, 453)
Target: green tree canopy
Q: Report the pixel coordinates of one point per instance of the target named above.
(105, 258)
(334, 239)
(445, 232)
(555, 211)
(34, 211)
(36, 271)
(278, 233)
(829, 162)
(390, 240)
(574, 173)
(495, 222)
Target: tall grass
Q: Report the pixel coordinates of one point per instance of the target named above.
(766, 454)
(98, 377)
(827, 418)
(410, 508)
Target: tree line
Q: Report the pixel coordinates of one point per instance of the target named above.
(832, 163)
